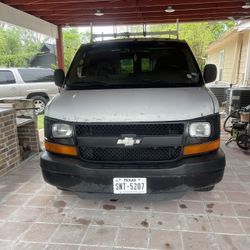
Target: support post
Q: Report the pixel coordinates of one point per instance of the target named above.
(91, 33)
(177, 28)
(247, 65)
(59, 46)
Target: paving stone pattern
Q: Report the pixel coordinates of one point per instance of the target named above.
(34, 215)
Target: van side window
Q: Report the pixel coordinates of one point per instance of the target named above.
(7, 77)
(145, 65)
(37, 75)
(127, 66)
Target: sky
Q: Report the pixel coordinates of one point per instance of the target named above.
(98, 30)
(106, 30)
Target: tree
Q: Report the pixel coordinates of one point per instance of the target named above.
(198, 35)
(72, 40)
(218, 28)
(17, 46)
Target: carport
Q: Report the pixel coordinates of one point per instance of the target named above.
(49, 17)
(34, 215)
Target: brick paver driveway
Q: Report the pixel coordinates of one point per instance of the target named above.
(34, 215)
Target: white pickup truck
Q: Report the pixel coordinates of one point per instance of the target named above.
(31, 83)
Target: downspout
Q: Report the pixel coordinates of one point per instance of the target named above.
(247, 66)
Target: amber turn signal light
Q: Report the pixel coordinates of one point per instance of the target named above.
(60, 149)
(201, 148)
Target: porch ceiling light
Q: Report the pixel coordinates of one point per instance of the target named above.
(99, 13)
(246, 5)
(169, 9)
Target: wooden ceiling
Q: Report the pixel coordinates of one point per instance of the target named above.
(82, 12)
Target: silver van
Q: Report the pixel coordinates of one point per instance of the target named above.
(134, 117)
(31, 83)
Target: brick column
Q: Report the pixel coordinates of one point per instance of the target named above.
(9, 148)
(28, 137)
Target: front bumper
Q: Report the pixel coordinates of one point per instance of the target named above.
(187, 174)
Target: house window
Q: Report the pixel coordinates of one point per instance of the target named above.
(221, 64)
(127, 66)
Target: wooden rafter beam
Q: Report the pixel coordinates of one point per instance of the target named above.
(73, 12)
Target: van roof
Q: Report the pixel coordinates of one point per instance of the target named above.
(127, 40)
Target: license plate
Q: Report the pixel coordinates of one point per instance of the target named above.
(130, 185)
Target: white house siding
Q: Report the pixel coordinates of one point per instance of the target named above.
(229, 48)
(234, 65)
(243, 57)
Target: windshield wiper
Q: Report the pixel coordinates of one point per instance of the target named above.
(130, 81)
(164, 83)
(90, 83)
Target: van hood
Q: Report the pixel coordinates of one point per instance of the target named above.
(132, 105)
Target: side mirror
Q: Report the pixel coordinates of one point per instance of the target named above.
(210, 73)
(59, 77)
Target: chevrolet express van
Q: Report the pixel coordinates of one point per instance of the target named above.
(133, 117)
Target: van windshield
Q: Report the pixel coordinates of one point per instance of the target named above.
(134, 65)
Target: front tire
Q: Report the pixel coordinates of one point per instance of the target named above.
(39, 104)
(62, 189)
(206, 189)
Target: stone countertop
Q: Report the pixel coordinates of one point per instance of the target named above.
(23, 121)
(5, 109)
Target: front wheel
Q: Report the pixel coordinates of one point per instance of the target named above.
(39, 104)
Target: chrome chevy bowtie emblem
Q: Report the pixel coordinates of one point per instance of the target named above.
(128, 141)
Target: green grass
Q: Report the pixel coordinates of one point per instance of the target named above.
(40, 121)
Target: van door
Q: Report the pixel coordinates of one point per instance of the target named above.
(9, 87)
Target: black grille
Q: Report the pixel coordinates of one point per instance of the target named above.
(130, 154)
(138, 129)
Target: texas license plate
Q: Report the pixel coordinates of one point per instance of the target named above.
(130, 185)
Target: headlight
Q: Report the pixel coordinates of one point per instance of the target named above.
(200, 129)
(60, 130)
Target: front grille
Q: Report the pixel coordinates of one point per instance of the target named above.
(123, 129)
(130, 154)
